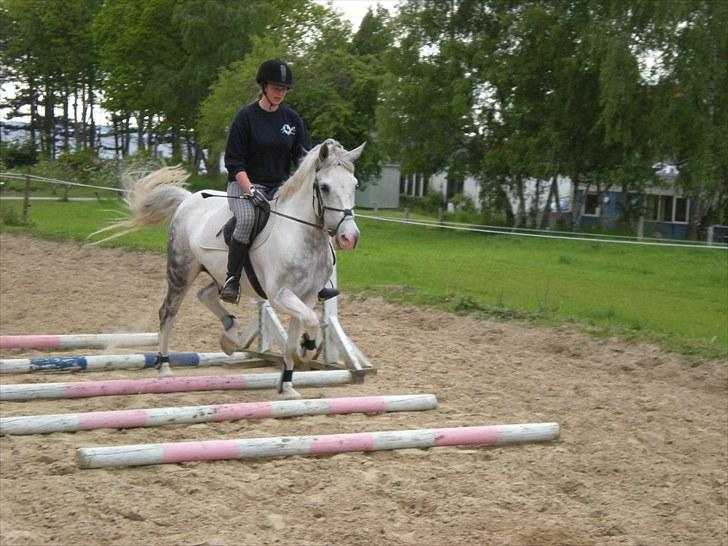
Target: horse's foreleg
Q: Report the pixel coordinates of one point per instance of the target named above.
(302, 317)
(230, 338)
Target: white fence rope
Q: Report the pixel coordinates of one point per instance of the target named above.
(523, 232)
(16, 176)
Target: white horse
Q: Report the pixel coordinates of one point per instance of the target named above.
(292, 256)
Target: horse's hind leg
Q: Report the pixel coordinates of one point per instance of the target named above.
(230, 339)
(181, 272)
(302, 318)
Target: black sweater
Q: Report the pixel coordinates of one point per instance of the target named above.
(265, 144)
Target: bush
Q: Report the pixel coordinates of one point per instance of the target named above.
(462, 202)
(198, 182)
(81, 166)
(17, 154)
(430, 203)
(9, 216)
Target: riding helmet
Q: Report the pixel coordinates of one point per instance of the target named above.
(275, 72)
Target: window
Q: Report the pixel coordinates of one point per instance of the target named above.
(591, 206)
(681, 210)
(652, 212)
(667, 208)
(454, 186)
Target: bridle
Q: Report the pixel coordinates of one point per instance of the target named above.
(320, 210)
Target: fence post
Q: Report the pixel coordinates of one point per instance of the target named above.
(641, 227)
(26, 198)
(406, 215)
(711, 235)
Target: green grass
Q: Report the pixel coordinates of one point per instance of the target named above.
(676, 297)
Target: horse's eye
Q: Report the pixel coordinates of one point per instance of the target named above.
(325, 188)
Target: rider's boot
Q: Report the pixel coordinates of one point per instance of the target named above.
(327, 293)
(230, 291)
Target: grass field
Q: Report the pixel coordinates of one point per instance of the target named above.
(676, 297)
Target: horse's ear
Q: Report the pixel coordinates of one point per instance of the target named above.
(355, 153)
(323, 152)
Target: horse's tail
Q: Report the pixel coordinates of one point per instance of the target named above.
(151, 200)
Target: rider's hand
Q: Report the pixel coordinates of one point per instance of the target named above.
(259, 200)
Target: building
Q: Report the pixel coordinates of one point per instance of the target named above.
(381, 193)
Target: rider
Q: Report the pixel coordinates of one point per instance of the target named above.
(265, 139)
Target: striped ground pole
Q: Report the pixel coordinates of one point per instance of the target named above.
(211, 450)
(117, 362)
(79, 341)
(158, 385)
(71, 422)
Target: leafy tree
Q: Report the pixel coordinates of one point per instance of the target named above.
(425, 115)
(694, 107)
(336, 88)
(135, 38)
(49, 53)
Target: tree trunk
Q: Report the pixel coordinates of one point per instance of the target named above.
(66, 120)
(77, 129)
(582, 205)
(91, 111)
(695, 216)
(49, 148)
(534, 209)
(33, 111)
(546, 213)
(141, 120)
(151, 137)
(503, 195)
(521, 214)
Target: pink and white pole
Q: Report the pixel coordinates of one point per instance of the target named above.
(154, 417)
(179, 452)
(158, 385)
(78, 341)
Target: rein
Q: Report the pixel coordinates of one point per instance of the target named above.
(317, 201)
(318, 207)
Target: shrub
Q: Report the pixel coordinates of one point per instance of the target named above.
(17, 154)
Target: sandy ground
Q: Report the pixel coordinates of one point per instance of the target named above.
(643, 457)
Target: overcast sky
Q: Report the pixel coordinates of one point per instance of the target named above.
(355, 10)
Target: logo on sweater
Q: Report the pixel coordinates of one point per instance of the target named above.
(288, 130)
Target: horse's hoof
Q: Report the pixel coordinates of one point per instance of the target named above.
(289, 393)
(228, 345)
(303, 357)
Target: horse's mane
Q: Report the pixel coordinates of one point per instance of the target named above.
(306, 171)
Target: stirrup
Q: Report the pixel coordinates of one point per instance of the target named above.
(327, 294)
(230, 292)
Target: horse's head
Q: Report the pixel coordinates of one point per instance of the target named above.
(334, 192)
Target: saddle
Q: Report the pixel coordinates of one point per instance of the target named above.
(261, 219)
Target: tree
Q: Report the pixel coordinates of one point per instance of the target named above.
(424, 119)
(48, 51)
(694, 108)
(335, 87)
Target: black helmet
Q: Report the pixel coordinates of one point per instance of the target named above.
(275, 72)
